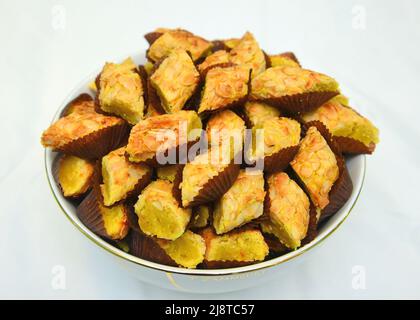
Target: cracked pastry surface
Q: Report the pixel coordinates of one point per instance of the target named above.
(74, 175)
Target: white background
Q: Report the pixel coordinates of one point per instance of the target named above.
(47, 47)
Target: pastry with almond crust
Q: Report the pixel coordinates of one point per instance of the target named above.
(257, 112)
(287, 209)
(122, 179)
(224, 88)
(175, 80)
(352, 132)
(293, 89)
(161, 134)
(120, 91)
(243, 202)
(316, 165)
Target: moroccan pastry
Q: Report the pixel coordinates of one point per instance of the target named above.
(288, 210)
(293, 89)
(257, 112)
(243, 202)
(224, 88)
(73, 174)
(81, 103)
(122, 179)
(352, 132)
(121, 91)
(175, 80)
(207, 177)
(107, 222)
(316, 165)
(248, 52)
(236, 248)
(275, 142)
(168, 40)
(155, 140)
(86, 134)
(159, 213)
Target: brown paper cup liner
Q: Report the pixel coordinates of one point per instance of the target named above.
(217, 186)
(352, 146)
(89, 213)
(280, 160)
(79, 99)
(226, 264)
(275, 245)
(219, 45)
(152, 37)
(303, 102)
(176, 191)
(340, 191)
(55, 172)
(98, 143)
(132, 217)
(133, 193)
(146, 248)
(312, 227)
(267, 60)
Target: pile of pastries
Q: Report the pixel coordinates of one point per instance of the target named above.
(213, 154)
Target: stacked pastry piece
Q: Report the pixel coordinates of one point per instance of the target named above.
(213, 154)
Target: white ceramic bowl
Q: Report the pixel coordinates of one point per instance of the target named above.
(198, 280)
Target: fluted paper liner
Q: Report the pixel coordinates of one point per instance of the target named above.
(219, 45)
(312, 227)
(275, 244)
(146, 248)
(98, 143)
(217, 186)
(302, 102)
(176, 191)
(352, 146)
(280, 160)
(152, 36)
(132, 218)
(89, 213)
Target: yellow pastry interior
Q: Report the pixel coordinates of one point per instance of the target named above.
(159, 213)
(175, 80)
(316, 165)
(120, 176)
(243, 202)
(288, 211)
(115, 221)
(282, 60)
(121, 91)
(74, 175)
(187, 251)
(343, 121)
(242, 246)
(168, 172)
